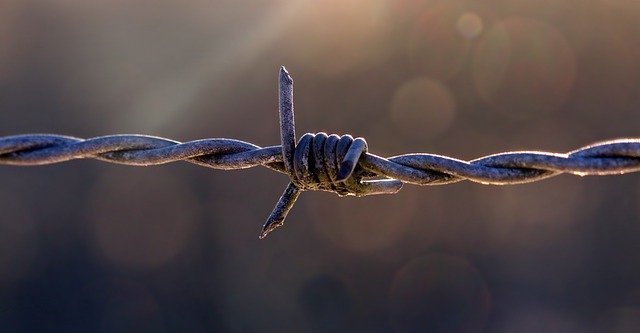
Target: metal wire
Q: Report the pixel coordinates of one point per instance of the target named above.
(339, 164)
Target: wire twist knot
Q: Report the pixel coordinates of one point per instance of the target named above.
(338, 164)
(327, 162)
(319, 162)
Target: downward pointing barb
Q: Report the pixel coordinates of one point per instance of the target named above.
(280, 211)
(305, 173)
(340, 164)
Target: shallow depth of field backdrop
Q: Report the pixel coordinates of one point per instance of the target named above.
(96, 247)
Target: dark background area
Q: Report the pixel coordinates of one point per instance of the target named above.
(94, 247)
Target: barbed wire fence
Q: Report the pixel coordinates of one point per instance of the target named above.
(338, 164)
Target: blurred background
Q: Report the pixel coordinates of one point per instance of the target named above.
(94, 247)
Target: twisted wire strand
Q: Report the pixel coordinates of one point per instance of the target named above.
(604, 158)
(339, 164)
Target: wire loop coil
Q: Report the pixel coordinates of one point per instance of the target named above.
(339, 164)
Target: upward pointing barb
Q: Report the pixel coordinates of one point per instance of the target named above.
(284, 76)
(287, 122)
(339, 164)
(318, 162)
(287, 139)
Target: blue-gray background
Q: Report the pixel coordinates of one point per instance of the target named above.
(93, 247)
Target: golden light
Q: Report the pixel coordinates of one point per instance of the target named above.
(423, 108)
(523, 67)
(469, 25)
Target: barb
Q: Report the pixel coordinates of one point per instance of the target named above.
(339, 164)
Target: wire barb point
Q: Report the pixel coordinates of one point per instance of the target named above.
(284, 76)
(280, 211)
(338, 164)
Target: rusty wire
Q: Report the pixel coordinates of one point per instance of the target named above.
(339, 164)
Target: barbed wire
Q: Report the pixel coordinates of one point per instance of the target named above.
(339, 164)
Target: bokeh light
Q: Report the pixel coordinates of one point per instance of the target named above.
(435, 46)
(523, 68)
(469, 25)
(423, 108)
(87, 246)
(608, 66)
